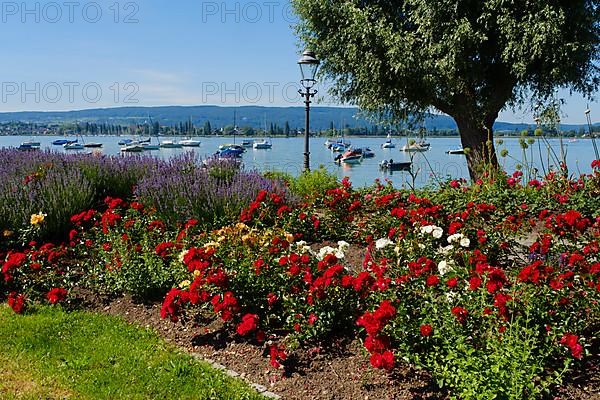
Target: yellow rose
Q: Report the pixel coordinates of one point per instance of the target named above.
(248, 238)
(37, 218)
(7, 233)
(185, 284)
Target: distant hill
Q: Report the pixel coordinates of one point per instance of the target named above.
(254, 116)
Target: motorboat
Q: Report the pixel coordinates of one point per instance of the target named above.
(132, 148)
(123, 142)
(247, 143)
(189, 143)
(73, 146)
(150, 146)
(33, 143)
(60, 142)
(230, 152)
(230, 146)
(170, 144)
(366, 152)
(27, 147)
(416, 147)
(263, 144)
(458, 150)
(92, 145)
(339, 145)
(391, 165)
(349, 157)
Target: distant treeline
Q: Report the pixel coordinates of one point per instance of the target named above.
(188, 128)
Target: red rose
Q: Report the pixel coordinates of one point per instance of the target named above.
(452, 282)
(248, 324)
(56, 295)
(433, 280)
(16, 301)
(426, 330)
(460, 314)
(383, 360)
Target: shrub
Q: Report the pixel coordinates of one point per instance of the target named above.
(126, 249)
(214, 195)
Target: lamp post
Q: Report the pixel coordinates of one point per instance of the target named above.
(308, 69)
(592, 135)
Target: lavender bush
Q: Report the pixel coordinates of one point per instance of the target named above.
(34, 183)
(213, 194)
(60, 185)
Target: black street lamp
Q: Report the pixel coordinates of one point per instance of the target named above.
(308, 68)
(592, 134)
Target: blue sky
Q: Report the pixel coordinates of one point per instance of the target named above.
(108, 53)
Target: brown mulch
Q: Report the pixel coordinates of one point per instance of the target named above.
(340, 370)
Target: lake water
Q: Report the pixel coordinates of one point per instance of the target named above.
(287, 155)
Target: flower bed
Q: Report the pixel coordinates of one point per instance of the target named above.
(493, 287)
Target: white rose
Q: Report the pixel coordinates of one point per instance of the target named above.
(324, 251)
(446, 249)
(427, 229)
(455, 238)
(343, 245)
(465, 242)
(383, 242)
(437, 232)
(443, 267)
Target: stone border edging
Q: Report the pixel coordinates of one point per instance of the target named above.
(259, 388)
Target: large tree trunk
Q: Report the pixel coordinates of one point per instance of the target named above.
(477, 137)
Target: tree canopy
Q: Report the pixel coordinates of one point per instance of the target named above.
(466, 58)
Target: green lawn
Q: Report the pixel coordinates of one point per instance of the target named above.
(52, 354)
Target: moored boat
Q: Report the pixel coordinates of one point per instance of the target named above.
(230, 146)
(27, 147)
(92, 145)
(73, 146)
(189, 143)
(262, 145)
(150, 146)
(366, 152)
(339, 147)
(230, 152)
(392, 165)
(388, 144)
(458, 150)
(170, 144)
(132, 148)
(34, 143)
(349, 157)
(416, 147)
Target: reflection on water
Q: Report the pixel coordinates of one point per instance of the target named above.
(287, 155)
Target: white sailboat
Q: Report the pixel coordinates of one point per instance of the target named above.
(388, 144)
(262, 144)
(189, 142)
